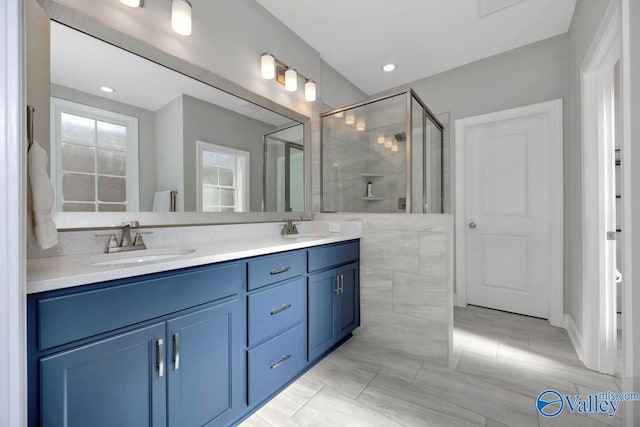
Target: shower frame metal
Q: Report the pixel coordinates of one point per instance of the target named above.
(428, 115)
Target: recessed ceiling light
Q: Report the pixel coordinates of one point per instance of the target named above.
(107, 89)
(389, 67)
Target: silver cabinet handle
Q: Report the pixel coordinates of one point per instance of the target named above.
(281, 361)
(176, 351)
(281, 309)
(280, 270)
(472, 225)
(160, 354)
(341, 283)
(337, 289)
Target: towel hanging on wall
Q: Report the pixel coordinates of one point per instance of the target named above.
(42, 197)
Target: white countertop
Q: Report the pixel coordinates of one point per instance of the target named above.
(58, 272)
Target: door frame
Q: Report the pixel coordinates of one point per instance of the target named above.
(599, 334)
(13, 258)
(556, 198)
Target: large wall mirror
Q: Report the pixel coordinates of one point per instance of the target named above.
(131, 135)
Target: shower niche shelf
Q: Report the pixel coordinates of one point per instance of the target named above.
(372, 199)
(371, 175)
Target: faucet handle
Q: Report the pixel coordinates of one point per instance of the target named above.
(137, 241)
(113, 240)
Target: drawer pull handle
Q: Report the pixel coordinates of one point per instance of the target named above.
(281, 361)
(281, 309)
(337, 288)
(160, 353)
(176, 351)
(280, 270)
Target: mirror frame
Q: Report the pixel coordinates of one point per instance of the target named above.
(88, 220)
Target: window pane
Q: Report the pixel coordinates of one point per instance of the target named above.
(209, 158)
(112, 136)
(77, 129)
(112, 189)
(78, 158)
(227, 160)
(226, 177)
(111, 208)
(210, 176)
(210, 196)
(78, 207)
(227, 209)
(227, 197)
(78, 187)
(112, 162)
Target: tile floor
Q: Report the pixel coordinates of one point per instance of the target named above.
(502, 362)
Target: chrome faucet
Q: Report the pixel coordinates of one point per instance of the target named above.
(290, 227)
(126, 243)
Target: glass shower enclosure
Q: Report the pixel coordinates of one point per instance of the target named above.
(382, 156)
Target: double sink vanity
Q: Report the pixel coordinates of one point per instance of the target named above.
(188, 335)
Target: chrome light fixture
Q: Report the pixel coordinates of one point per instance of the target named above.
(268, 66)
(181, 17)
(133, 3)
(291, 80)
(273, 68)
(310, 90)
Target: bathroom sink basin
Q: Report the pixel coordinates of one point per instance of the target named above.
(306, 236)
(137, 257)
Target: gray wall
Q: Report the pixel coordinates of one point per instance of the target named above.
(168, 155)
(585, 23)
(209, 123)
(146, 136)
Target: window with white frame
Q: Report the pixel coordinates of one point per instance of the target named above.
(223, 178)
(94, 158)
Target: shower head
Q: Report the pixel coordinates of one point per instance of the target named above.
(400, 137)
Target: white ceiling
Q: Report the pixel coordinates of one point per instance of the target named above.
(422, 37)
(84, 63)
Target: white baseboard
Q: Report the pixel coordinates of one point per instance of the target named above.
(575, 335)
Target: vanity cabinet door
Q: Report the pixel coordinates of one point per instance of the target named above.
(204, 366)
(348, 299)
(322, 309)
(118, 381)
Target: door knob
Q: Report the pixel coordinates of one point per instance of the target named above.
(472, 225)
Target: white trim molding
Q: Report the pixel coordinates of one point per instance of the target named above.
(13, 259)
(575, 335)
(556, 199)
(599, 290)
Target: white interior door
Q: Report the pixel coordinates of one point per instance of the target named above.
(507, 211)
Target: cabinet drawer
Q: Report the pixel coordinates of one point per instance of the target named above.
(330, 256)
(67, 318)
(276, 308)
(275, 268)
(274, 363)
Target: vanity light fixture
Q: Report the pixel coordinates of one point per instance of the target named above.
(380, 139)
(339, 115)
(273, 68)
(291, 80)
(394, 147)
(310, 90)
(360, 125)
(387, 142)
(181, 17)
(133, 3)
(388, 67)
(350, 117)
(107, 89)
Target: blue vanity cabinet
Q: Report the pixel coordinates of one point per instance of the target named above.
(112, 382)
(333, 296)
(204, 366)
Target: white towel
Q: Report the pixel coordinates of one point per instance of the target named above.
(162, 201)
(42, 197)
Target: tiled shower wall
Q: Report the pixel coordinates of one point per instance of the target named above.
(406, 276)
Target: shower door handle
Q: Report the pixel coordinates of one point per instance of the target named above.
(472, 225)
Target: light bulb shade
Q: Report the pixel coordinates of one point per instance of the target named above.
(291, 80)
(339, 115)
(350, 117)
(268, 66)
(181, 17)
(310, 91)
(394, 148)
(360, 125)
(387, 142)
(380, 139)
(131, 3)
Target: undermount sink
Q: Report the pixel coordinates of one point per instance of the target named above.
(136, 257)
(303, 236)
